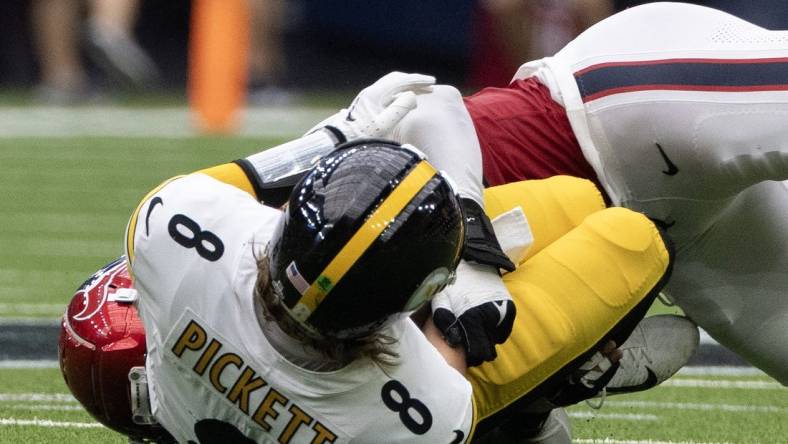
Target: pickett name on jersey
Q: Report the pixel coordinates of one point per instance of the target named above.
(216, 366)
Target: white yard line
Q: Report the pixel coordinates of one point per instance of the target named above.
(28, 364)
(697, 406)
(47, 423)
(723, 384)
(36, 397)
(616, 416)
(717, 370)
(56, 407)
(174, 122)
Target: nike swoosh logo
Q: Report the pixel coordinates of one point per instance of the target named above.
(672, 168)
(651, 381)
(458, 437)
(502, 307)
(155, 201)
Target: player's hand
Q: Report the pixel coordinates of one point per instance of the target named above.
(476, 312)
(378, 108)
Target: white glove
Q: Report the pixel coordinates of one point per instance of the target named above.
(476, 312)
(378, 108)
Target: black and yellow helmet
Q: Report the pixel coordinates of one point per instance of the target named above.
(371, 231)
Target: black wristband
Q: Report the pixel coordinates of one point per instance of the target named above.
(481, 245)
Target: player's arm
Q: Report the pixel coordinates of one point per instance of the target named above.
(477, 312)
(454, 356)
(270, 175)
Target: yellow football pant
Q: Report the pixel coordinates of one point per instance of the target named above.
(586, 270)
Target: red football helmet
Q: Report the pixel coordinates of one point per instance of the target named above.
(101, 339)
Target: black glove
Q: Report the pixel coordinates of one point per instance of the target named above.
(476, 312)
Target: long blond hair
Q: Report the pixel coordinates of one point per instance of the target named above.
(376, 346)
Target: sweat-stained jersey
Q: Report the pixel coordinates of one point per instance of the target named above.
(192, 245)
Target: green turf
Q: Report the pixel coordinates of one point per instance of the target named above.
(677, 414)
(659, 308)
(55, 404)
(743, 415)
(65, 203)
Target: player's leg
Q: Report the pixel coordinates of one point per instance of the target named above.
(684, 108)
(551, 427)
(658, 347)
(734, 283)
(679, 108)
(551, 206)
(590, 286)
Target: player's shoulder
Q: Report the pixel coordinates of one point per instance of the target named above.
(203, 192)
(430, 400)
(195, 228)
(193, 211)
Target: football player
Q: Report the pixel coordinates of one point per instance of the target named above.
(262, 324)
(562, 321)
(674, 110)
(266, 325)
(284, 325)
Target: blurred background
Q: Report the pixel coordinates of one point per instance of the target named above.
(101, 100)
(88, 51)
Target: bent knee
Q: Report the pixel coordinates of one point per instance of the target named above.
(552, 206)
(626, 229)
(635, 245)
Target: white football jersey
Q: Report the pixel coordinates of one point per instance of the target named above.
(192, 245)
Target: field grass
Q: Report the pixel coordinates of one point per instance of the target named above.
(65, 203)
(693, 408)
(35, 407)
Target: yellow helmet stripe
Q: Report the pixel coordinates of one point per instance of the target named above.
(381, 218)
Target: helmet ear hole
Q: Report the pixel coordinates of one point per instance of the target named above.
(372, 230)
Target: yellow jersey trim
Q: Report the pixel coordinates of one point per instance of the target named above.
(231, 174)
(472, 431)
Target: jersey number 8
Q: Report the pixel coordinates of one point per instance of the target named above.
(397, 398)
(198, 239)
